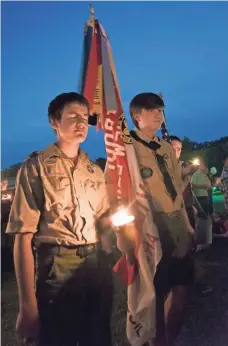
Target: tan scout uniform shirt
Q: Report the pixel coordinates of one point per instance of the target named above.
(161, 201)
(58, 201)
(169, 219)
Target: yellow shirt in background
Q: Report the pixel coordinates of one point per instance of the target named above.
(199, 178)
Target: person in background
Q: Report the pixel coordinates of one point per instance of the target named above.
(201, 185)
(59, 210)
(220, 225)
(212, 175)
(224, 182)
(186, 171)
(202, 188)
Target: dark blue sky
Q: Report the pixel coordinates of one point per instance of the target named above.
(180, 49)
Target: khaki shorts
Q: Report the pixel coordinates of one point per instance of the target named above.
(175, 239)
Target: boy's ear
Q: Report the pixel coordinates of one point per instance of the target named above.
(137, 117)
(53, 124)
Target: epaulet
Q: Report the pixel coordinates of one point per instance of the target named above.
(93, 164)
(32, 155)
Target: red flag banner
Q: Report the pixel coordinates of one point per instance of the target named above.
(124, 184)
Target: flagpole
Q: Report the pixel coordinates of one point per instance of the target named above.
(91, 11)
(164, 131)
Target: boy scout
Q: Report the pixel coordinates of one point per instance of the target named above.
(60, 195)
(162, 182)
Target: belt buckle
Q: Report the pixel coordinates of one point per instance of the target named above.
(79, 252)
(84, 251)
(90, 248)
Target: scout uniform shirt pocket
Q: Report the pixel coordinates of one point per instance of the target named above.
(92, 194)
(57, 190)
(63, 268)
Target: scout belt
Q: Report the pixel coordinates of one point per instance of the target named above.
(79, 250)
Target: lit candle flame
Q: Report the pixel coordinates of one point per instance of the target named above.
(7, 197)
(121, 218)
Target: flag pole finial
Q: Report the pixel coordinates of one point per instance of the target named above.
(91, 10)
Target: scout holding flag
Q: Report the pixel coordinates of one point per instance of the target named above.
(143, 180)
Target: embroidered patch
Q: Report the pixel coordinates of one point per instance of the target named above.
(90, 169)
(52, 160)
(165, 156)
(124, 130)
(146, 172)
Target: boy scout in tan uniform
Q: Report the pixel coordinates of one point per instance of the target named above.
(162, 183)
(60, 195)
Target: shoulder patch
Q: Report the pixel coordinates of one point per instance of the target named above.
(146, 172)
(32, 155)
(91, 168)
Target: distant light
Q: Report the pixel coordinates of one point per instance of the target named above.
(121, 218)
(213, 170)
(196, 162)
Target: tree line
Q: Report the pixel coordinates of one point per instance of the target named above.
(212, 153)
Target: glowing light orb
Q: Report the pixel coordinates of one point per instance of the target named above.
(7, 197)
(196, 162)
(121, 218)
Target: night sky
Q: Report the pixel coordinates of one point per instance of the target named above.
(179, 49)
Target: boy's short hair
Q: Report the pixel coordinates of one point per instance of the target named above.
(146, 101)
(175, 138)
(57, 105)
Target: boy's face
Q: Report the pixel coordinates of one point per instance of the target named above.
(73, 125)
(177, 146)
(150, 120)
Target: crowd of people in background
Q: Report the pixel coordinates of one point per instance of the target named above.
(198, 185)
